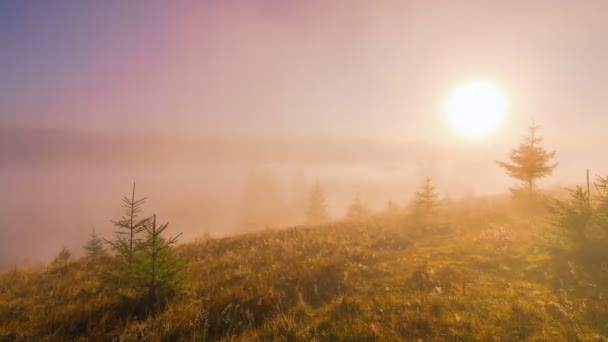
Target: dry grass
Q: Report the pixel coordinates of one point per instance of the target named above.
(479, 274)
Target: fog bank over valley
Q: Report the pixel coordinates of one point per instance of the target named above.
(58, 185)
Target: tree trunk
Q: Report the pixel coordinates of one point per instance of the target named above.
(154, 254)
(132, 213)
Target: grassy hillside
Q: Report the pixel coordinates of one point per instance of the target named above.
(479, 273)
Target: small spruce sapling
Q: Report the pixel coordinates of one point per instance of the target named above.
(425, 202)
(572, 221)
(63, 258)
(94, 248)
(159, 271)
(125, 244)
(529, 161)
(601, 185)
(129, 226)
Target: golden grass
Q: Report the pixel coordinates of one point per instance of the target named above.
(478, 274)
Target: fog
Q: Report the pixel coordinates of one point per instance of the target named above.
(190, 100)
(58, 185)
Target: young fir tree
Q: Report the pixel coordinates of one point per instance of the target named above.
(158, 270)
(601, 185)
(94, 247)
(145, 263)
(129, 226)
(122, 274)
(357, 210)
(426, 200)
(63, 257)
(529, 161)
(572, 221)
(317, 207)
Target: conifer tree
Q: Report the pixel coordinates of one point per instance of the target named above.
(317, 207)
(129, 226)
(529, 161)
(145, 263)
(572, 221)
(63, 257)
(601, 185)
(426, 200)
(94, 247)
(158, 271)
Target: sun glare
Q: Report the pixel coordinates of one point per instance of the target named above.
(476, 108)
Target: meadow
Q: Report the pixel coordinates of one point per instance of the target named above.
(481, 270)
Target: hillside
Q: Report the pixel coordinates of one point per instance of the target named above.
(477, 274)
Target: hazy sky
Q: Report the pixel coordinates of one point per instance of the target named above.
(351, 92)
(377, 69)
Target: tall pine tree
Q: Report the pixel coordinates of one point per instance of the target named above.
(529, 161)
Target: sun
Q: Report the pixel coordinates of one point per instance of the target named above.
(476, 108)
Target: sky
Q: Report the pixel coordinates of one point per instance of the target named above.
(378, 69)
(348, 93)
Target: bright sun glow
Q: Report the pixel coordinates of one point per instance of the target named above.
(476, 108)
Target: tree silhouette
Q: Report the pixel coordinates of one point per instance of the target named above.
(426, 200)
(601, 185)
(529, 161)
(145, 262)
(128, 227)
(317, 207)
(572, 220)
(63, 257)
(94, 247)
(158, 271)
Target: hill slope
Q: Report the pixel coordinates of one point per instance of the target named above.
(480, 277)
